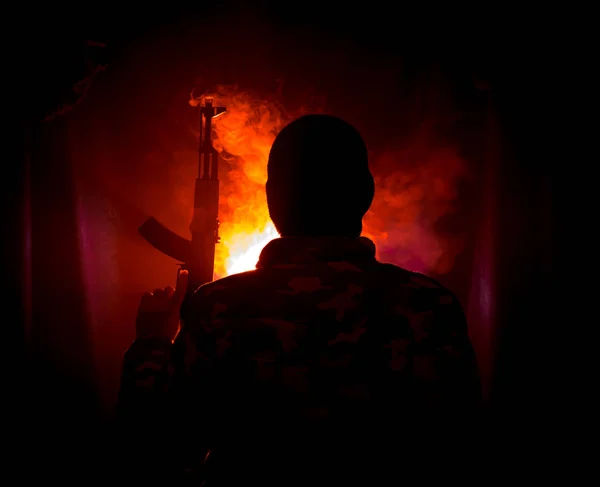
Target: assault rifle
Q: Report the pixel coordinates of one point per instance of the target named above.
(197, 255)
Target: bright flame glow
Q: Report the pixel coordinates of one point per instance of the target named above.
(244, 249)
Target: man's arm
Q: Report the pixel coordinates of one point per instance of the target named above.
(148, 410)
(146, 365)
(154, 417)
(453, 425)
(459, 380)
(144, 380)
(445, 367)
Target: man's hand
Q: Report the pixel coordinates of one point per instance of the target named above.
(158, 314)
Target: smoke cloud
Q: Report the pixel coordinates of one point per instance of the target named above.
(416, 186)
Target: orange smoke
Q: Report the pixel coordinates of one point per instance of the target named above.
(415, 187)
(243, 135)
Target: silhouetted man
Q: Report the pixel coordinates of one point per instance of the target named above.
(323, 365)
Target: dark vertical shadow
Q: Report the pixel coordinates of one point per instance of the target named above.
(61, 399)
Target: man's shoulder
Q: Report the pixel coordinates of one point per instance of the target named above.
(227, 285)
(396, 275)
(420, 288)
(229, 289)
(413, 293)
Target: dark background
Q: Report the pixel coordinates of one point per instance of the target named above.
(384, 71)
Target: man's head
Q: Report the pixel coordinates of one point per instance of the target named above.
(319, 183)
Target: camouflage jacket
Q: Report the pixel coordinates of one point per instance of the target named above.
(320, 332)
